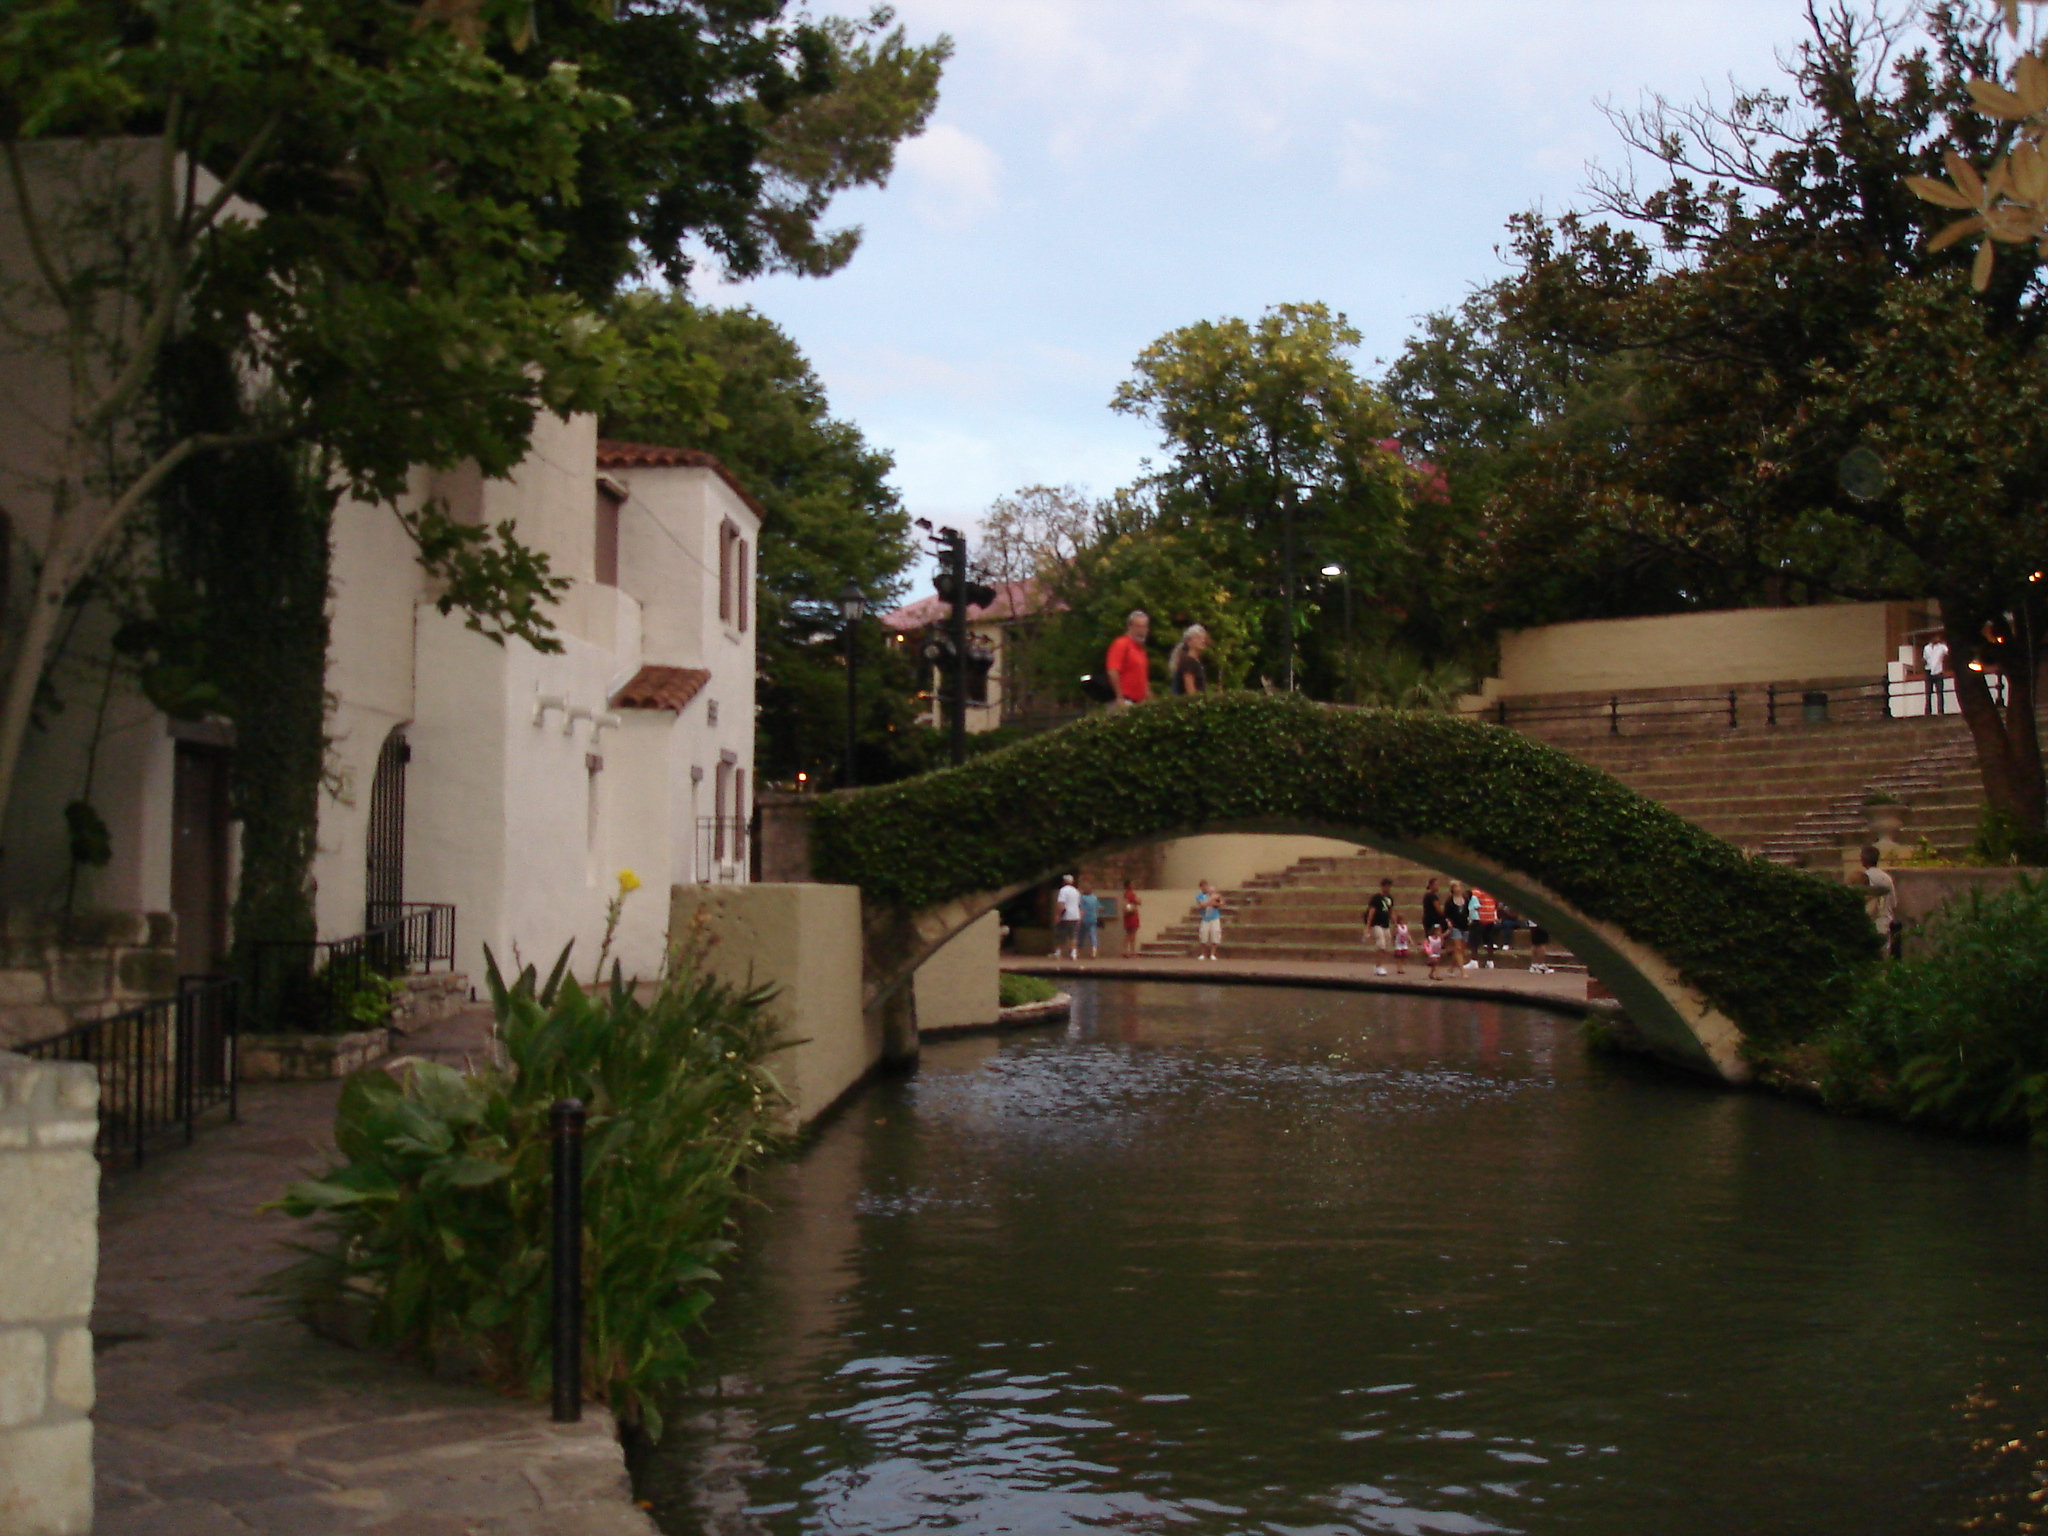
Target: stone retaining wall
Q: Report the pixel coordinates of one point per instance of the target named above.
(56, 972)
(49, 1208)
(308, 1058)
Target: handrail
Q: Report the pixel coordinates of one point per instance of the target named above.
(1887, 698)
(161, 1064)
(302, 985)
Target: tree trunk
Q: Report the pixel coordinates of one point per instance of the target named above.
(2008, 742)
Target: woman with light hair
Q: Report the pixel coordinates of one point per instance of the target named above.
(1184, 672)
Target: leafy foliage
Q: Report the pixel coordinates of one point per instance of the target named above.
(1014, 989)
(1267, 423)
(1958, 1036)
(1776, 949)
(437, 1218)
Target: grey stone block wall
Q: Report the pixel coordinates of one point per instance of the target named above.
(56, 972)
(49, 1259)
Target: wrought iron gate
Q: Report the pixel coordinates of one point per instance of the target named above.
(384, 847)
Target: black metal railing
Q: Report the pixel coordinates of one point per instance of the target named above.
(161, 1065)
(324, 986)
(722, 847)
(426, 936)
(1771, 704)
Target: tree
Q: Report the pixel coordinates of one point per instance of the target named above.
(390, 299)
(394, 221)
(832, 516)
(1269, 426)
(1788, 324)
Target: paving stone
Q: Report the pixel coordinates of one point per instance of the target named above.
(219, 1415)
(239, 1484)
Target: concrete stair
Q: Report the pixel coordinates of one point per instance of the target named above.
(1795, 793)
(1314, 910)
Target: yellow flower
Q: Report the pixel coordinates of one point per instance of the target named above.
(628, 881)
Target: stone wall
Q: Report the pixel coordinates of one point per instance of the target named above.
(56, 972)
(49, 1207)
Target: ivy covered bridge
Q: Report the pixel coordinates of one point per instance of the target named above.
(1704, 946)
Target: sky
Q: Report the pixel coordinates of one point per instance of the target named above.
(1099, 172)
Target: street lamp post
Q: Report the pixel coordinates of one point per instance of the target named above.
(1350, 679)
(853, 604)
(1287, 577)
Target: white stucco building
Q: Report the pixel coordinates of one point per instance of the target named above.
(512, 783)
(517, 784)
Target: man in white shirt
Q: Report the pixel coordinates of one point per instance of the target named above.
(1067, 927)
(1934, 656)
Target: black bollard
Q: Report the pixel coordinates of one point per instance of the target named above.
(567, 1117)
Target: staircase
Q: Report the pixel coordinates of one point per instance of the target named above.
(1314, 910)
(1795, 793)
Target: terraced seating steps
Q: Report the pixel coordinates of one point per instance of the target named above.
(1313, 910)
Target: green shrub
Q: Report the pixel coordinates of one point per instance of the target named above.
(1777, 949)
(1014, 990)
(436, 1221)
(1957, 1036)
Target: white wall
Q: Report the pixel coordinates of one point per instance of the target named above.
(1740, 645)
(957, 987)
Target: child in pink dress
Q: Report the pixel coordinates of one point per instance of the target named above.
(1401, 948)
(1433, 952)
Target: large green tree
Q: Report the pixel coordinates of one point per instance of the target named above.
(1786, 380)
(400, 227)
(832, 515)
(1282, 456)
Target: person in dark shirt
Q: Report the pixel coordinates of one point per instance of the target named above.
(1379, 924)
(1432, 908)
(1184, 672)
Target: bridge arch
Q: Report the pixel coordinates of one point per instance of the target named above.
(1704, 946)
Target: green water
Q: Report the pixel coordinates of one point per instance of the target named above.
(1236, 1259)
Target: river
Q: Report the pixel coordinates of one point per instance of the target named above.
(1242, 1259)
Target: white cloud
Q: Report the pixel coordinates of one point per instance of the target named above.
(953, 175)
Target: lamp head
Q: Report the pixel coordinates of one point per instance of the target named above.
(853, 602)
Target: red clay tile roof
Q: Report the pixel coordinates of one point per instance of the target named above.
(616, 455)
(1014, 600)
(661, 688)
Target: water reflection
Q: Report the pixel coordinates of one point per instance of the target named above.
(1225, 1259)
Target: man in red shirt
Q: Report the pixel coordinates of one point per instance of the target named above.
(1130, 669)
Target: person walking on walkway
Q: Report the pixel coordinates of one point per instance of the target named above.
(1066, 932)
(1184, 672)
(1209, 921)
(1379, 924)
(1433, 951)
(1457, 924)
(1401, 947)
(1129, 668)
(1091, 918)
(1432, 908)
(1130, 914)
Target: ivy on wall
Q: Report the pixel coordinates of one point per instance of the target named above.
(235, 625)
(1776, 949)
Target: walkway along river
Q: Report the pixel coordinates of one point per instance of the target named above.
(1235, 1259)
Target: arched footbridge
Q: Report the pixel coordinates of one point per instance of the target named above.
(1704, 946)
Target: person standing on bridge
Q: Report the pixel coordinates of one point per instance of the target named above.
(1129, 668)
(1130, 909)
(1184, 672)
(1066, 931)
(1379, 924)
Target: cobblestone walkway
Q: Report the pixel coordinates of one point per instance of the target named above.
(218, 1416)
(1565, 991)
